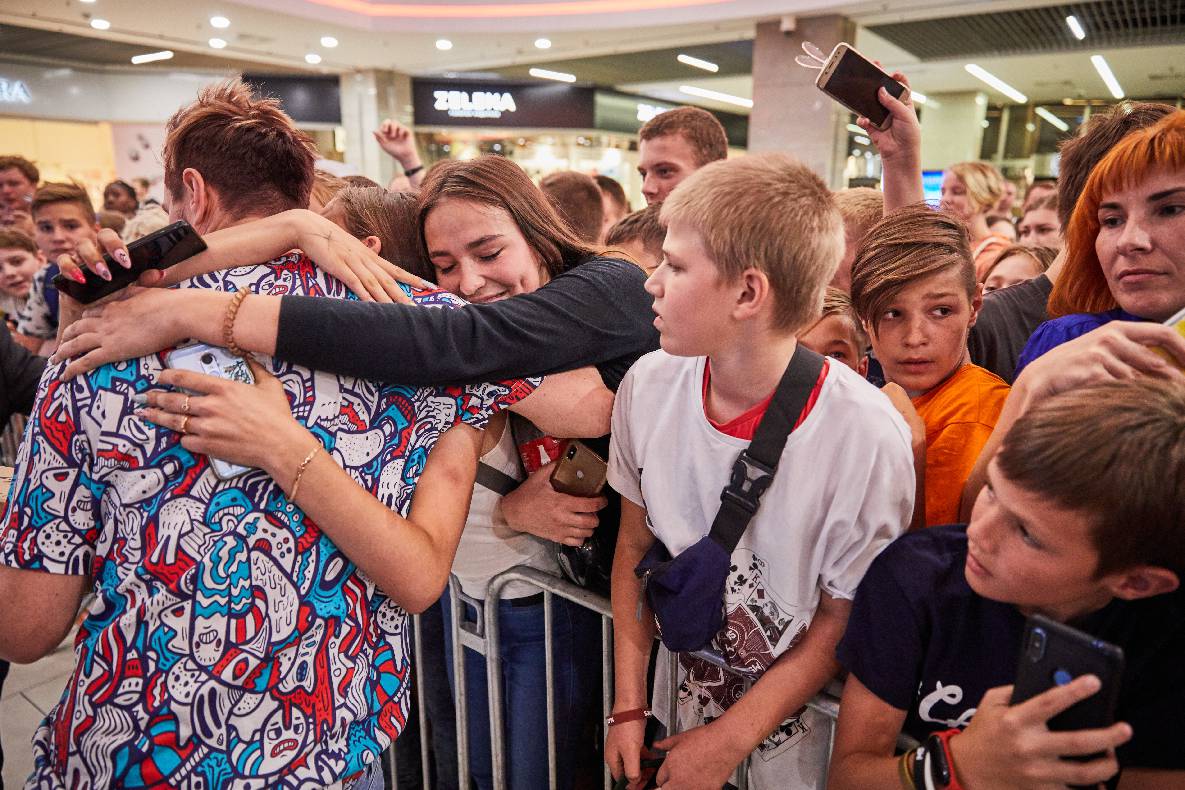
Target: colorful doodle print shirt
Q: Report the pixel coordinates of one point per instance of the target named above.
(230, 643)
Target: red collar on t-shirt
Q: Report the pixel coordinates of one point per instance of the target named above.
(745, 425)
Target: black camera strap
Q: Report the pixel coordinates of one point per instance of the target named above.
(753, 471)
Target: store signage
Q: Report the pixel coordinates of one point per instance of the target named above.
(481, 104)
(14, 92)
(501, 104)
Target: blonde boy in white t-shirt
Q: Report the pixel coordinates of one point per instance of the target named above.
(751, 243)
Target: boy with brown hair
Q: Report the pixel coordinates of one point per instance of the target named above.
(20, 260)
(1081, 522)
(674, 144)
(639, 235)
(576, 198)
(735, 287)
(838, 333)
(861, 208)
(914, 287)
(18, 182)
(62, 218)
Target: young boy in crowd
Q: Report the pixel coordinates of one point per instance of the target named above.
(62, 217)
(640, 236)
(914, 287)
(20, 260)
(735, 288)
(1081, 522)
(838, 333)
(18, 182)
(861, 208)
(674, 144)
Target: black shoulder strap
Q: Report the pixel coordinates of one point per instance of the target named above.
(754, 468)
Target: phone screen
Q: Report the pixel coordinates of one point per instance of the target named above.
(160, 250)
(855, 81)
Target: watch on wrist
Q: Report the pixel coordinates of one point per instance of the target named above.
(939, 768)
(411, 171)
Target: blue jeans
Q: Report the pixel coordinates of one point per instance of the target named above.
(576, 665)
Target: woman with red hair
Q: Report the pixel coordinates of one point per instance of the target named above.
(1125, 243)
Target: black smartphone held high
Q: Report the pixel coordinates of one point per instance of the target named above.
(853, 81)
(1053, 654)
(166, 247)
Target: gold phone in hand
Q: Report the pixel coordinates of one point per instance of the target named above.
(580, 471)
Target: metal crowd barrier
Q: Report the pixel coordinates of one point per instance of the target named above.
(482, 637)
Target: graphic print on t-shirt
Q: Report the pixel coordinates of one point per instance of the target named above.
(757, 628)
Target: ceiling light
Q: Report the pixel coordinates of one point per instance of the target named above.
(1030, 126)
(1100, 65)
(100, 24)
(918, 98)
(218, 43)
(854, 129)
(706, 65)
(1075, 27)
(219, 22)
(151, 57)
(88, 2)
(329, 42)
(991, 79)
(1054, 121)
(548, 74)
(727, 98)
(543, 43)
(862, 140)
(443, 44)
(312, 58)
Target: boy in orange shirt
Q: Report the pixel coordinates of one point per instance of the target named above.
(914, 287)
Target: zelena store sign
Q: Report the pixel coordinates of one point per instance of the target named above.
(525, 105)
(14, 92)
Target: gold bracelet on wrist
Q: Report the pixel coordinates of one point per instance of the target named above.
(308, 459)
(905, 770)
(228, 323)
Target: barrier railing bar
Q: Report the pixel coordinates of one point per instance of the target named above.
(549, 673)
(607, 682)
(422, 712)
(460, 698)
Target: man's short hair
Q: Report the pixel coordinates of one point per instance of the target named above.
(613, 188)
(699, 127)
(740, 208)
(1042, 203)
(245, 147)
(1115, 451)
(62, 192)
(861, 208)
(643, 226)
(984, 183)
(1082, 287)
(27, 168)
(576, 198)
(1098, 135)
(910, 243)
(836, 301)
(17, 240)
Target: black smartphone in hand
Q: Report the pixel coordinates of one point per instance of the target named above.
(853, 81)
(1053, 654)
(166, 247)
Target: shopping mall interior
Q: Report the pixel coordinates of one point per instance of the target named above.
(85, 86)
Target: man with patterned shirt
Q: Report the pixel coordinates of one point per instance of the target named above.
(231, 642)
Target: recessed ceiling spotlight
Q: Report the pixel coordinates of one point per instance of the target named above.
(443, 44)
(312, 58)
(218, 43)
(100, 24)
(219, 22)
(543, 43)
(1075, 27)
(698, 63)
(152, 57)
(329, 42)
(548, 74)
(986, 76)
(727, 98)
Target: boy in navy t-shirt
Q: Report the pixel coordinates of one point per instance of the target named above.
(1082, 521)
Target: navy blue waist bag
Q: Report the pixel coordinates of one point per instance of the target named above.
(686, 592)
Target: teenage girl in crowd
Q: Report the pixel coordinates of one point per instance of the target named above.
(970, 191)
(1016, 264)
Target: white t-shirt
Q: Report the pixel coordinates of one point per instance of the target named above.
(843, 490)
(488, 544)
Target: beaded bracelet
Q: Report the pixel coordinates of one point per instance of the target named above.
(228, 324)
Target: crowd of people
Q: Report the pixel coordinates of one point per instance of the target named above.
(977, 414)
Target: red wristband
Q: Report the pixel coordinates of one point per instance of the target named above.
(634, 714)
(944, 738)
